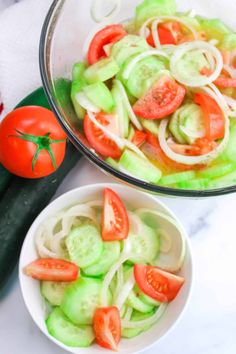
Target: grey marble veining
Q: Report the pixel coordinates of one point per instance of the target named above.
(5, 3)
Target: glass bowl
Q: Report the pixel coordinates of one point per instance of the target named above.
(65, 29)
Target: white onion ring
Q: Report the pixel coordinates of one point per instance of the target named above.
(128, 313)
(96, 10)
(83, 100)
(124, 293)
(200, 80)
(139, 57)
(147, 322)
(191, 133)
(155, 34)
(127, 104)
(230, 70)
(232, 106)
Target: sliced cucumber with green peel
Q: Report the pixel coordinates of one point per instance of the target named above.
(145, 246)
(226, 181)
(81, 299)
(214, 28)
(85, 245)
(218, 170)
(144, 74)
(191, 118)
(99, 94)
(136, 303)
(229, 154)
(148, 300)
(127, 47)
(103, 70)
(195, 184)
(113, 163)
(174, 127)
(139, 167)
(177, 177)
(150, 125)
(60, 327)
(78, 70)
(53, 292)
(109, 256)
(229, 42)
(153, 8)
(76, 87)
(121, 111)
(133, 332)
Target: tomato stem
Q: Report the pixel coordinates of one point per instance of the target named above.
(43, 143)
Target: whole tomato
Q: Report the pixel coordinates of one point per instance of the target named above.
(32, 142)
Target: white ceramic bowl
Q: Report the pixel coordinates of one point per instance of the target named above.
(31, 288)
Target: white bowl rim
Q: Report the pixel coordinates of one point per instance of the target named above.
(103, 186)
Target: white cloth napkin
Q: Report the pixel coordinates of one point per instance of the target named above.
(19, 41)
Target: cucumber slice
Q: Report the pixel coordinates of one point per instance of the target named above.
(229, 154)
(195, 184)
(145, 246)
(150, 125)
(76, 87)
(127, 47)
(110, 255)
(177, 177)
(152, 8)
(136, 303)
(84, 245)
(139, 167)
(78, 70)
(226, 181)
(218, 170)
(81, 299)
(214, 28)
(144, 74)
(121, 112)
(100, 96)
(174, 127)
(103, 70)
(191, 117)
(53, 292)
(62, 329)
(113, 163)
(229, 42)
(133, 332)
(148, 300)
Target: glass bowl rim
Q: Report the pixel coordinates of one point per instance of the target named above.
(165, 191)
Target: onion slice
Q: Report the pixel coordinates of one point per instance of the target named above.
(191, 133)
(147, 322)
(96, 10)
(83, 100)
(124, 293)
(200, 80)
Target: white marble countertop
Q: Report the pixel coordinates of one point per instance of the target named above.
(208, 325)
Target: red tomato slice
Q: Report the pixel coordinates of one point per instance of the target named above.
(109, 34)
(153, 150)
(165, 36)
(51, 269)
(139, 138)
(161, 100)
(97, 139)
(107, 327)
(213, 116)
(156, 283)
(115, 222)
(225, 82)
(200, 147)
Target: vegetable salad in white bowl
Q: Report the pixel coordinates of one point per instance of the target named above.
(106, 266)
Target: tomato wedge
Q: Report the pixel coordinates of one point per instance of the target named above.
(107, 327)
(213, 116)
(156, 283)
(97, 139)
(51, 269)
(153, 150)
(115, 222)
(139, 138)
(200, 147)
(165, 36)
(109, 34)
(161, 100)
(225, 82)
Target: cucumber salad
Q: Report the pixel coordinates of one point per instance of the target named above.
(157, 96)
(107, 271)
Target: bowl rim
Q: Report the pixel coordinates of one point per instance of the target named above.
(101, 186)
(44, 54)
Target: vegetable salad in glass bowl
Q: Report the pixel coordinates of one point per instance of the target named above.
(155, 100)
(105, 269)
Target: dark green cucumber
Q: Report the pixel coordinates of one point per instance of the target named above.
(24, 200)
(5, 180)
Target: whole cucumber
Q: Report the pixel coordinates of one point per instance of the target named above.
(5, 180)
(21, 204)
